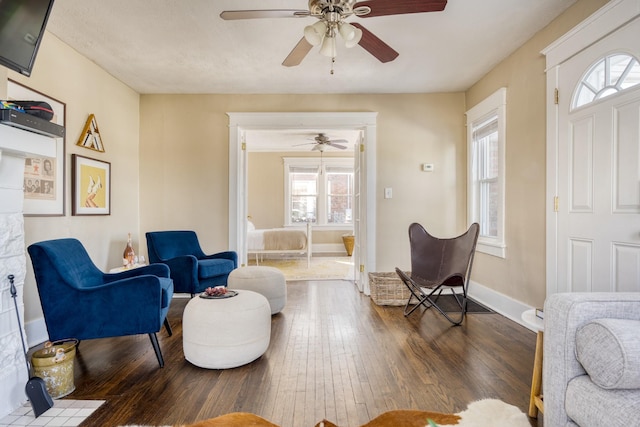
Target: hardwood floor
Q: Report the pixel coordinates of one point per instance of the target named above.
(333, 355)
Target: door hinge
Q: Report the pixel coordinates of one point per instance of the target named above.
(555, 204)
(556, 96)
(361, 268)
(244, 146)
(362, 148)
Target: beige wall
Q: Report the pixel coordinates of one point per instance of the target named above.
(265, 189)
(184, 161)
(62, 73)
(522, 274)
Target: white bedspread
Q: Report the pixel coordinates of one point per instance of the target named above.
(275, 239)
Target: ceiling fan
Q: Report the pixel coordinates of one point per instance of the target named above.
(322, 141)
(332, 15)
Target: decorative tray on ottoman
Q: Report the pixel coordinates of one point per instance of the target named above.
(219, 292)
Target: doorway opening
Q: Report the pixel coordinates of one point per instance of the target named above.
(243, 125)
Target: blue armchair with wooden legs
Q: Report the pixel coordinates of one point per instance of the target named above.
(80, 301)
(192, 270)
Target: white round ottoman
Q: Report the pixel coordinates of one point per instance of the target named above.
(225, 333)
(268, 281)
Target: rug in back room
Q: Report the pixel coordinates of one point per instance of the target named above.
(321, 268)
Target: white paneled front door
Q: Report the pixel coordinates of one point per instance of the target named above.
(598, 173)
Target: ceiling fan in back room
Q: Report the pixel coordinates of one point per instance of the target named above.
(332, 15)
(322, 141)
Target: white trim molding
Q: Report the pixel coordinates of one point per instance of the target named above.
(610, 17)
(363, 121)
(494, 105)
(508, 307)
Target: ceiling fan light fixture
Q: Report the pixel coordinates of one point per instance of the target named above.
(315, 33)
(356, 38)
(328, 47)
(347, 31)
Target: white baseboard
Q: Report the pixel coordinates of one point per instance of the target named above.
(508, 307)
(334, 248)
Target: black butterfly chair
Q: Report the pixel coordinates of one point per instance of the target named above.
(438, 265)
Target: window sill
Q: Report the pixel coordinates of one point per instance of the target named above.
(324, 227)
(494, 249)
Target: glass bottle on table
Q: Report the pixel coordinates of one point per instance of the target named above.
(129, 255)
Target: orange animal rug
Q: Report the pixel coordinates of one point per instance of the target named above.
(488, 412)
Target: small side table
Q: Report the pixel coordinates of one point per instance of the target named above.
(536, 402)
(121, 269)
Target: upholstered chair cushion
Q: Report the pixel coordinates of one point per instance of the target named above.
(192, 270)
(609, 351)
(80, 301)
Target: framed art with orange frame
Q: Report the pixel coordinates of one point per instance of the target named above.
(91, 186)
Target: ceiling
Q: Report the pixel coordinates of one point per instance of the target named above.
(169, 46)
(298, 140)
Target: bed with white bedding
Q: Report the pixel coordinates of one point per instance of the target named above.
(279, 241)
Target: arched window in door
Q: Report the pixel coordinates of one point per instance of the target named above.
(609, 75)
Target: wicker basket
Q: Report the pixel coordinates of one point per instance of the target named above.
(388, 289)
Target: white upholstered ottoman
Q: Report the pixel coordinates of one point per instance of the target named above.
(226, 333)
(268, 281)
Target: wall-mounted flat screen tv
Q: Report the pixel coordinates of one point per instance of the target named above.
(22, 24)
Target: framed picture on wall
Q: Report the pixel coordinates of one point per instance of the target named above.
(91, 186)
(44, 187)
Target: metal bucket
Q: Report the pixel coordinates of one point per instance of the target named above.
(54, 364)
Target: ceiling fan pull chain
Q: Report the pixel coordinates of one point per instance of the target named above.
(333, 61)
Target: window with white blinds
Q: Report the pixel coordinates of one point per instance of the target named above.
(319, 191)
(485, 175)
(486, 148)
(303, 199)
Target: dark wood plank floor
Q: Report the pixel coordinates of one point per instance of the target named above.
(333, 354)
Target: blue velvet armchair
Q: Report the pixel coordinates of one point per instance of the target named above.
(192, 270)
(80, 301)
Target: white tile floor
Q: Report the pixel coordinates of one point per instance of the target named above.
(63, 413)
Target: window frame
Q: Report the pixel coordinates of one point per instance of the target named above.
(494, 105)
(608, 89)
(322, 195)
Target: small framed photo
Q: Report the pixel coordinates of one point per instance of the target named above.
(91, 186)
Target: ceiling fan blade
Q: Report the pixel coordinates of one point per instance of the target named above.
(341, 147)
(298, 53)
(230, 15)
(338, 141)
(400, 7)
(375, 46)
